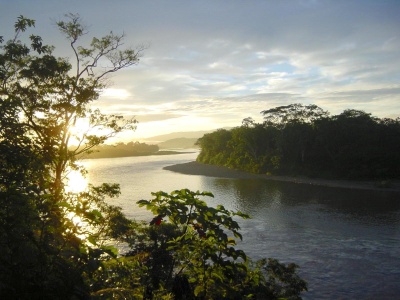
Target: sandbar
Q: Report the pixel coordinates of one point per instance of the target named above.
(196, 168)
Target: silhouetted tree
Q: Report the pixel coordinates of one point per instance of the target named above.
(305, 140)
(41, 99)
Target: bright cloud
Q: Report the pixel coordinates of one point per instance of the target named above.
(116, 93)
(212, 63)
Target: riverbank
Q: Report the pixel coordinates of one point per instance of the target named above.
(96, 155)
(195, 168)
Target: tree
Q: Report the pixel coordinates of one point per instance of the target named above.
(41, 98)
(199, 259)
(122, 150)
(357, 145)
(304, 140)
(252, 148)
(214, 147)
(295, 122)
(54, 244)
(283, 115)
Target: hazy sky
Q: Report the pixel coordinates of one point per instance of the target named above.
(210, 64)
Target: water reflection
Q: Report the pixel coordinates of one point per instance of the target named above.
(346, 241)
(258, 196)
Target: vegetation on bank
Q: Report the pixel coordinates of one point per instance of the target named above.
(130, 149)
(55, 244)
(306, 140)
(122, 150)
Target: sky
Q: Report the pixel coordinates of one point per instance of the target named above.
(209, 64)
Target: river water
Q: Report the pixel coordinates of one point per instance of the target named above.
(346, 242)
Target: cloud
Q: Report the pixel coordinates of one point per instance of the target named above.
(115, 93)
(144, 118)
(221, 61)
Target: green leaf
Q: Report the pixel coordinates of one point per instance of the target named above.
(231, 241)
(64, 204)
(92, 239)
(142, 203)
(198, 290)
(111, 250)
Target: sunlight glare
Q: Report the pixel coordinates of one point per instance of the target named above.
(75, 219)
(81, 128)
(80, 225)
(76, 182)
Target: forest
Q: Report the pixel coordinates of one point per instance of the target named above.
(122, 150)
(56, 244)
(305, 140)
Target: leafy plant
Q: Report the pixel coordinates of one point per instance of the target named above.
(199, 260)
(49, 238)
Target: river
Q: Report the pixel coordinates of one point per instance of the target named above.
(346, 242)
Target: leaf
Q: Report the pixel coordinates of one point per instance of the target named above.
(142, 203)
(209, 194)
(91, 239)
(64, 204)
(238, 235)
(199, 289)
(242, 215)
(111, 250)
(96, 213)
(183, 219)
(221, 207)
(217, 275)
(231, 241)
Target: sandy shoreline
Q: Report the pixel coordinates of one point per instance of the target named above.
(195, 168)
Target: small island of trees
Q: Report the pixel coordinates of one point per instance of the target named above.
(305, 140)
(122, 150)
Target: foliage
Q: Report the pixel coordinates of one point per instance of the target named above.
(200, 245)
(215, 147)
(122, 149)
(50, 238)
(305, 140)
(294, 113)
(56, 244)
(193, 255)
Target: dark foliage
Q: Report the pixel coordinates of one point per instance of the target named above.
(122, 150)
(305, 140)
(57, 244)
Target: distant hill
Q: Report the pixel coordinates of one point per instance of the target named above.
(177, 140)
(176, 135)
(178, 143)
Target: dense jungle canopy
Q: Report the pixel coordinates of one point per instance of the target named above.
(306, 140)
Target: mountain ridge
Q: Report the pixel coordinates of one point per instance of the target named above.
(179, 143)
(177, 135)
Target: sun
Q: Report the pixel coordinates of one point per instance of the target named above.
(78, 130)
(75, 182)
